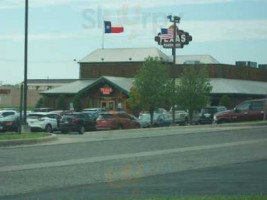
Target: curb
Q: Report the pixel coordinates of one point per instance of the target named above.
(258, 123)
(236, 124)
(49, 138)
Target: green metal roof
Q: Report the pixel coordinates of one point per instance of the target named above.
(220, 86)
(72, 88)
(123, 84)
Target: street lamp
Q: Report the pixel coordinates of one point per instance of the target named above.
(25, 87)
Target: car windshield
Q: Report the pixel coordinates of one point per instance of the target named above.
(35, 116)
(208, 111)
(10, 117)
(146, 117)
(106, 116)
(68, 117)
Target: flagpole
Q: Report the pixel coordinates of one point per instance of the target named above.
(103, 33)
(103, 38)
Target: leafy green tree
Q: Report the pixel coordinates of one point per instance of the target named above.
(61, 103)
(193, 90)
(39, 103)
(42, 102)
(134, 100)
(150, 86)
(77, 103)
(225, 101)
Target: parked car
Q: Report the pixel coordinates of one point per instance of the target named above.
(5, 113)
(116, 120)
(250, 110)
(10, 123)
(206, 115)
(78, 122)
(14, 109)
(159, 119)
(181, 116)
(47, 122)
(95, 112)
(43, 109)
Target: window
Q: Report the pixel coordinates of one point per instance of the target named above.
(123, 115)
(243, 107)
(7, 114)
(257, 106)
(106, 116)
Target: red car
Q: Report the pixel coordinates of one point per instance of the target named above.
(250, 110)
(116, 120)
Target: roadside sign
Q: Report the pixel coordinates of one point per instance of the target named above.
(182, 38)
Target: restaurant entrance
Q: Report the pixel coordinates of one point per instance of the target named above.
(108, 105)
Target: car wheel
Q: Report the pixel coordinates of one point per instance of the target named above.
(185, 122)
(81, 129)
(137, 126)
(64, 132)
(120, 127)
(48, 128)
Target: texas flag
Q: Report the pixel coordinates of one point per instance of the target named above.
(110, 29)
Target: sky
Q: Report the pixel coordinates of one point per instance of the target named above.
(61, 32)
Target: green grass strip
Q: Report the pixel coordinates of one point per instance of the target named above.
(22, 136)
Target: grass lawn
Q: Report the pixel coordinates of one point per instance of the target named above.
(210, 198)
(21, 136)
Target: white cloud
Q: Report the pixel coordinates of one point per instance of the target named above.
(137, 33)
(45, 36)
(5, 4)
(206, 31)
(202, 31)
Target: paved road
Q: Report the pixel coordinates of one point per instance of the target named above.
(174, 161)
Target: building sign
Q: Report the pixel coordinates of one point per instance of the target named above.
(182, 38)
(106, 90)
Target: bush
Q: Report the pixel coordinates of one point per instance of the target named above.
(61, 103)
(77, 103)
(225, 101)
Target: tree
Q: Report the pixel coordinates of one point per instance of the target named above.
(193, 90)
(134, 101)
(42, 102)
(77, 103)
(61, 103)
(149, 86)
(39, 103)
(225, 101)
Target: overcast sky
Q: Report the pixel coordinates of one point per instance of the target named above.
(63, 30)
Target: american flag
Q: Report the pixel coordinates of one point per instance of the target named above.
(166, 33)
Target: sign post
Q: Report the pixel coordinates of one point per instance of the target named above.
(173, 38)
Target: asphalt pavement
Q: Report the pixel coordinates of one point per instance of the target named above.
(139, 163)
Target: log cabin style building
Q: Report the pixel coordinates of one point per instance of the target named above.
(107, 75)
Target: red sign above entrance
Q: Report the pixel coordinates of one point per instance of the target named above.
(106, 90)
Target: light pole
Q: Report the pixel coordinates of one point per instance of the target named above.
(25, 63)
(175, 20)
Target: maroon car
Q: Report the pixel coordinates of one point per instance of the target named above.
(116, 120)
(250, 110)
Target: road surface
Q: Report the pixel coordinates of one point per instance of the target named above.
(177, 161)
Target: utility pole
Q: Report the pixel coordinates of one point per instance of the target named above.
(25, 87)
(175, 20)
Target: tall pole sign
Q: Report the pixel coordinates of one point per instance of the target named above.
(173, 38)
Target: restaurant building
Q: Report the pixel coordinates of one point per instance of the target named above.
(107, 75)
